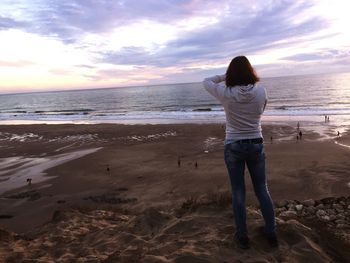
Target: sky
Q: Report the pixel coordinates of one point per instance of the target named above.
(73, 44)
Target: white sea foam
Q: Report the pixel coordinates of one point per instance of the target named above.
(211, 142)
(342, 144)
(150, 137)
(4, 136)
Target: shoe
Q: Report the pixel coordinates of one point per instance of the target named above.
(270, 238)
(242, 241)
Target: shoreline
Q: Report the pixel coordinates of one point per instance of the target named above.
(202, 118)
(316, 123)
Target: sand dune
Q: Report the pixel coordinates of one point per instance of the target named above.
(200, 233)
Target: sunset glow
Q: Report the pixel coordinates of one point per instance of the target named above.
(57, 45)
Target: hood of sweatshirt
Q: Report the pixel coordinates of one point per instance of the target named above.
(245, 93)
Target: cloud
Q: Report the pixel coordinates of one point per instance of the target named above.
(105, 74)
(16, 64)
(305, 57)
(7, 23)
(85, 66)
(128, 56)
(323, 54)
(59, 71)
(69, 20)
(242, 26)
(236, 32)
(125, 40)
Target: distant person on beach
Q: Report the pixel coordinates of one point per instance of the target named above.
(29, 181)
(300, 135)
(244, 102)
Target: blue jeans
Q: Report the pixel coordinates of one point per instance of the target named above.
(237, 155)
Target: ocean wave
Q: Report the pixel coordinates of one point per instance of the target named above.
(15, 111)
(69, 112)
(281, 108)
(307, 112)
(188, 114)
(196, 114)
(202, 109)
(299, 106)
(65, 110)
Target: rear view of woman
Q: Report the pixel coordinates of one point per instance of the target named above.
(244, 102)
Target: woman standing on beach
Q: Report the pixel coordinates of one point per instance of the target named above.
(244, 102)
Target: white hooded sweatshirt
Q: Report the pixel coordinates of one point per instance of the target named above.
(243, 107)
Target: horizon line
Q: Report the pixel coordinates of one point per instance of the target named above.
(155, 85)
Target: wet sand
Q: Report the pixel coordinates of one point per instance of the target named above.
(135, 168)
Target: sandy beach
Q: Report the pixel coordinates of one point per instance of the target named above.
(133, 193)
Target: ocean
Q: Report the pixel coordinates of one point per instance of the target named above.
(296, 97)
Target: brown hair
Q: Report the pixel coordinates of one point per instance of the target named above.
(240, 72)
